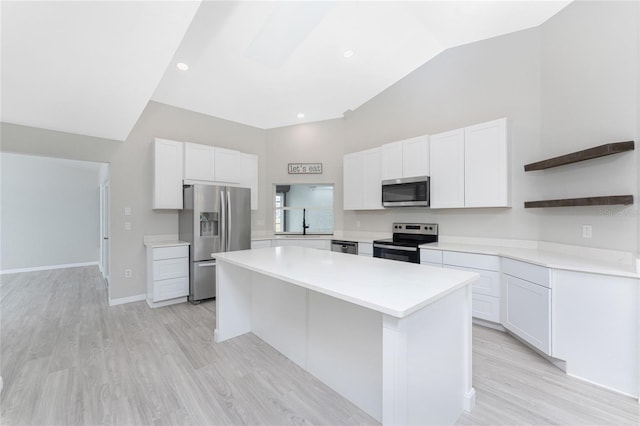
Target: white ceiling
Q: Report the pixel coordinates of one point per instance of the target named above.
(91, 67)
(86, 67)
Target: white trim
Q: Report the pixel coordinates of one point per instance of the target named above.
(166, 302)
(123, 300)
(48, 267)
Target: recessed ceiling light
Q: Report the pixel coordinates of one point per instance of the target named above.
(348, 53)
(301, 115)
(182, 66)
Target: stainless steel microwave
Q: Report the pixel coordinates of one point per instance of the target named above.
(406, 192)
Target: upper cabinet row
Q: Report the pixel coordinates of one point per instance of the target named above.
(175, 162)
(468, 167)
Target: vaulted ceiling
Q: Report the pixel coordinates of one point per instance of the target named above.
(91, 67)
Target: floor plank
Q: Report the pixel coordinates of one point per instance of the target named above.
(67, 357)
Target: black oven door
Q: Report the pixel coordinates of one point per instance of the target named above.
(403, 254)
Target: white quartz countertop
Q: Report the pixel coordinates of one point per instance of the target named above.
(394, 288)
(539, 256)
(166, 243)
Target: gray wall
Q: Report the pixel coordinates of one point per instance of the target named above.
(50, 211)
(570, 84)
(321, 142)
(470, 84)
(590, 78)
(131, 174)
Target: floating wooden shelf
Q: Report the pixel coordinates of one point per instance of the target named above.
(587, 201)
(587, 154)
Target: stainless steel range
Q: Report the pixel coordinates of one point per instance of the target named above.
(407, 237)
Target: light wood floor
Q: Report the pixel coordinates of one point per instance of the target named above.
(68, 358)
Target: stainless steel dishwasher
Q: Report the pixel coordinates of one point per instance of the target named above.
(349, 247)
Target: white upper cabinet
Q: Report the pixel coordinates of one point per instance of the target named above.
(486, 164)
(372, 186)
(447, 169)
(470, 166)
(199, 162)
(362, 180)
(406, 158)
(392, 160)
(353, 181)
(249, 176)
(226, 165)
(415, 157)
(167, 174)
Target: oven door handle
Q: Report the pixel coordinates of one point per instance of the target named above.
(385, 246)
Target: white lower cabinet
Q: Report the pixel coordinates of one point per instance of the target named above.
(486, 289)
(257, 244)
(365, 249)
(302, 242)
(526, 303)
(167, 274)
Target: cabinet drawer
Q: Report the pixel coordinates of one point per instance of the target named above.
(478, 261)
(170, 289)
(527, 271)
(365, 249)
(172, 252)
(431, 256)
(488, 283)
(170, 268)
(486, 307)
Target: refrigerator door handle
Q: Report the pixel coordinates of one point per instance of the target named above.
(207, 264)
(223, 214)
(228, 230)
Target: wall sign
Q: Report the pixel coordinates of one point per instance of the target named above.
(305, 168)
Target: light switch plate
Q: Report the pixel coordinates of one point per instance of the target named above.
(127, 211)
(587, 231)
(127, 226)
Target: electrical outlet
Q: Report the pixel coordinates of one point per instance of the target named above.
(128, 273)
(127, 211)
(127, 226)
(587, 231)
(357, 224)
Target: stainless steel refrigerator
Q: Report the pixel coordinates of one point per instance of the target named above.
(214, 219)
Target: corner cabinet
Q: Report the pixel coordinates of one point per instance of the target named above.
(470, 166)
(168, 169)
(362, 180)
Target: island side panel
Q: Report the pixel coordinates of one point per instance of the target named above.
(279, 316)
(427, 363)
(233, 301)
(344, 350)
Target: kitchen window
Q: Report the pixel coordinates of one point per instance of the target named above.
(298, 204)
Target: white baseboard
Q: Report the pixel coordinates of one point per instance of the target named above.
(130, 299)
(47, 267)
(469, 400)
(166, 302)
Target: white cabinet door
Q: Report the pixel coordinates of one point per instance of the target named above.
(392, 160)
(447, 169)
(528, 312)
(226, 165)
(486, 164)
(167, 174)
(372, 180)
(353, 181)
(365, 249)
(249, 176)
(199, 162)
(415, 157)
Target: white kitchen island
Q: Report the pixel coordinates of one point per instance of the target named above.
(394, 338)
